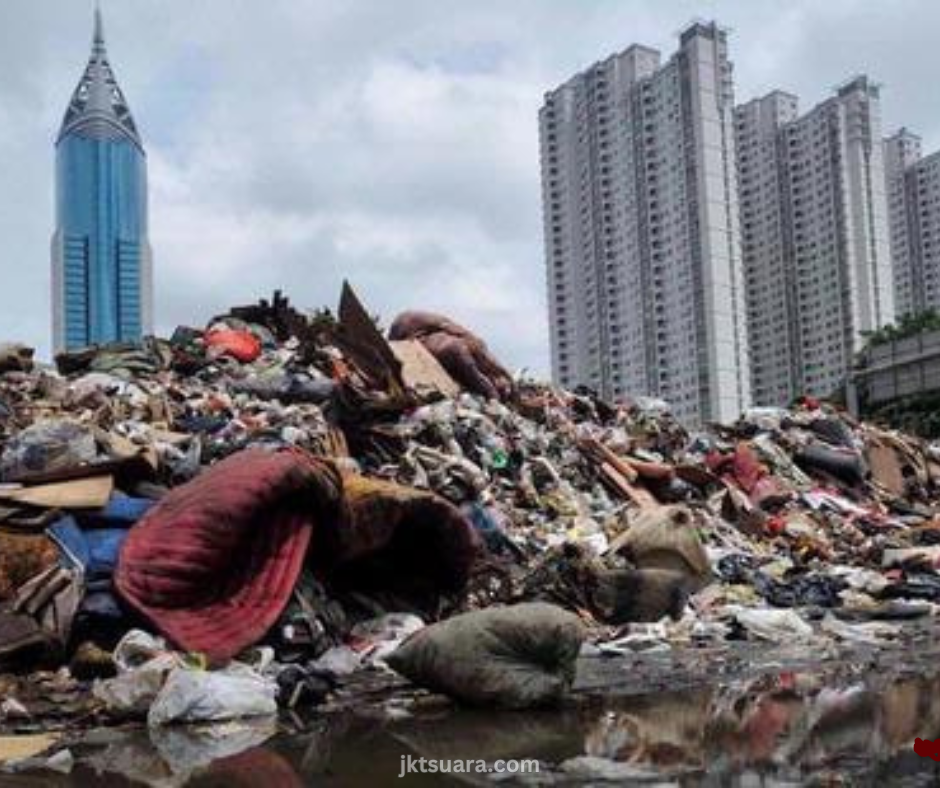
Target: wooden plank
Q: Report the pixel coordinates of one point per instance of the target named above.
(92, 493)
(638, 495)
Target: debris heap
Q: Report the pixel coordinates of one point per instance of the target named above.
(284, 498)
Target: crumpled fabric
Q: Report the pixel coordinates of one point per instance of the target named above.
(809, 590)
(213, 564)
(399, 543)
(90, 543)
(121, 359)
(240, 345)
(839, 462)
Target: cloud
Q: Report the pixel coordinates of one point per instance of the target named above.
(294, 143)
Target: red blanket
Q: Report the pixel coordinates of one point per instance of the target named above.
(212, 566)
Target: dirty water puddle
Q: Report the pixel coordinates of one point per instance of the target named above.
(843, 723)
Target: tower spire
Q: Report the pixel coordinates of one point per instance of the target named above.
(98, 42)
(98, 107)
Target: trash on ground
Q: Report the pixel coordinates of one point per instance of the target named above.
(309, 485)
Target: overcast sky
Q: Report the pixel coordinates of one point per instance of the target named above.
(294, 143)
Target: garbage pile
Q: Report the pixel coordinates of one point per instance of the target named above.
(236, 518)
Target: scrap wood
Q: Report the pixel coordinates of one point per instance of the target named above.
(639, 495)
(138, 466)
(654, 471)
(362, 342)
(15, 748)
(700, 477)
(92, 493)
(277, 315)
(599, 454)
(631, 467)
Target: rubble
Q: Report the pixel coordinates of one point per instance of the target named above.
(282, 480)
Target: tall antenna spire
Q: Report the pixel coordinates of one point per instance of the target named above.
(98, 45)
(98, 108)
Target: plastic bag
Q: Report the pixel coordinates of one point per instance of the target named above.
(241, 345)
(133, 692)
(778, 626)
(137, 648)
(47, 446)
(156, 681)
(143, 663)
(201, 695)
(371, 642)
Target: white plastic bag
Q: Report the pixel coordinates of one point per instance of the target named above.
(374, 640)
(143, 663)
(133, 691)
(202, 695)
(137, 648)
(778, 626)
(152, 678)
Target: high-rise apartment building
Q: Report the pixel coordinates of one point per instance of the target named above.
(101, 263)
(646, 293)
(901, 151)
(766, 246)
(815, 236)
(913, 184)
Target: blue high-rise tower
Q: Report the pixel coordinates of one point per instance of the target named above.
(101, 261)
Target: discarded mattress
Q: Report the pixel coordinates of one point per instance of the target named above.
(213, 564)
(405, 544)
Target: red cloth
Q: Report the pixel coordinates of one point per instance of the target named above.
(741, 466)
(241, 345)
(213, 565)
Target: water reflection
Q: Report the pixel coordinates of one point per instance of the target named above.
(801, 721)
(790, 726)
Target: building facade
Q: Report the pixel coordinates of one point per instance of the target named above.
(895, 370)
(642, 245)
(815, 237)
(766, 245)
(101, 259)
(913, 184)
(901, 151)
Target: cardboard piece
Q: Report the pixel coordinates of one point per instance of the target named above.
(15, 748)
(886, 467)
(363, 344)
(91, 493)
(422, 372)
